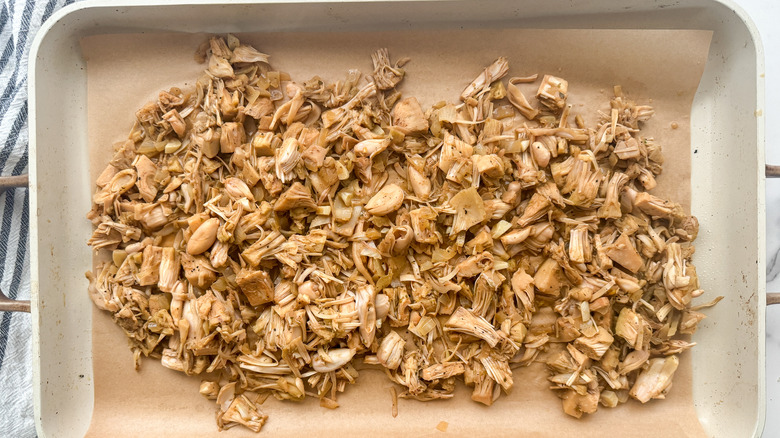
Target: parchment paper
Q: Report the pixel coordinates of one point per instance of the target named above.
(658, 66)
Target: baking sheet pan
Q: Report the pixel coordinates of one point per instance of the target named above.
(414, 408)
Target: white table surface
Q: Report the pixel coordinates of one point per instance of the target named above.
(765, 14)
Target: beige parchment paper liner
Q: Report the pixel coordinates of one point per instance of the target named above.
(658, 66)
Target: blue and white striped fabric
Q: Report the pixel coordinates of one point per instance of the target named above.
(19, 22)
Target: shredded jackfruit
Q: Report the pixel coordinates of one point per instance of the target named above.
(272, 233)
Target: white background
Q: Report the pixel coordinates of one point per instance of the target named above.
(766, 14)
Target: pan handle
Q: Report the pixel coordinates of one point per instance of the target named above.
(772, 172)
(9, 304)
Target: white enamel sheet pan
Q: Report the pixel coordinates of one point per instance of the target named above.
(727, 182)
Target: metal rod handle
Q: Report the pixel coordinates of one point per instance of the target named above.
(772, 172)
(8, 304)
(10, 182)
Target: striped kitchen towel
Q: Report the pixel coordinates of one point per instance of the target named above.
(19, 22)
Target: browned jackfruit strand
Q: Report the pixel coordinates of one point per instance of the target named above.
(271, 234)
